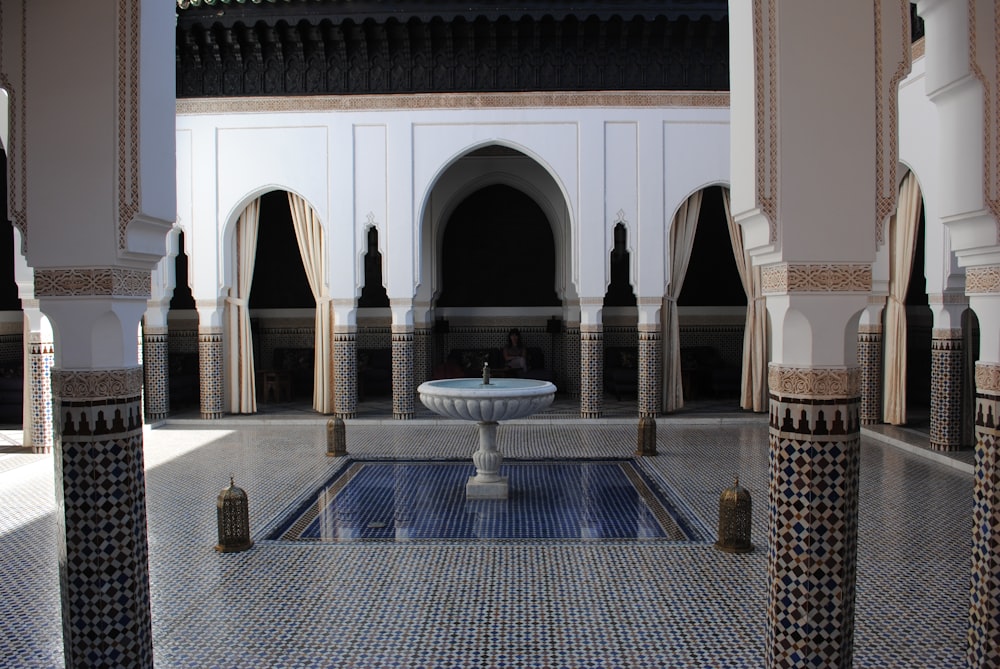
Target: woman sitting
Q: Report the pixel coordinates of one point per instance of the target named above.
(515, 354)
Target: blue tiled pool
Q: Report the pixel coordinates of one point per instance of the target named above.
(413, 500)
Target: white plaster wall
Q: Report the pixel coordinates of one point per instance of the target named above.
(391, 168)
(919, 150)
(826, 200)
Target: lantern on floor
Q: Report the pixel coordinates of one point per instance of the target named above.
(234, 520)
(336, 437)
(647, 436)
(734, 520)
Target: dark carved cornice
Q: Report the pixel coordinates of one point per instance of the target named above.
(332, 47)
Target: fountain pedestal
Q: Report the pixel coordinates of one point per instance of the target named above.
(486, 403)
(487, 483)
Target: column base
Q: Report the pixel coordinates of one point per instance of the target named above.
(487, 489)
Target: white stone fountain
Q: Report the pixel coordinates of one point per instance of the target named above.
(486, 401)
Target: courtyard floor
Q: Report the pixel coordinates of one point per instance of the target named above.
(482, 603)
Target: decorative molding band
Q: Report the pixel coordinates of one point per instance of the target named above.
(97, 385)
(878, 300)
(892, 64)
(591, 331)
(873, 329)
(814, 382)
(649, 331)
(433, 101)
(402, 330)
(946, 335)
(765, 38)
(209, 332)
(982, 280)
(918, 48)
(92, 281)
(948, 298)
(825, 278)
(650, 301)
(988, 377)
(155, 331)
(128, 117)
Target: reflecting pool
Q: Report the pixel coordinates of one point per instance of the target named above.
(549, 500)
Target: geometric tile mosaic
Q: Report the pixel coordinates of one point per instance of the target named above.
(486, 603)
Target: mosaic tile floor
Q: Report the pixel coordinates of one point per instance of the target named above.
(488, 603)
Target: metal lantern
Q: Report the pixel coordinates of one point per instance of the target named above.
(647, 436)
(734, 520)
(234, 520)
(336, 437)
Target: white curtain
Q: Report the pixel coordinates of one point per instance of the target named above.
(681, 242)
(753, 383)
(903, 227)
(309, 234)
(242, 386)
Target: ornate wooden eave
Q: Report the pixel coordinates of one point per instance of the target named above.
(252, 48)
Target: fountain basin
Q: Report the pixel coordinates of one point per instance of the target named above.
(502, 399)
(486, 404)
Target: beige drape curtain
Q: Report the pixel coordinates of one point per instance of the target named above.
(903, 226)
(309, 234)
(753, 383)
(681, 242)
(242, 385)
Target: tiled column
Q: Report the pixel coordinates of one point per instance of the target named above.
(210, 371)
(571, 359)
(982, 285)
(813, 515)
(422, 355)
(403, 388)
(100, 479)
(104, 570)
(38, 376)
(984, 619)
(156, 372)
(345, 373)
(947, 364)
(402, 373)
(650, 370)
(870, 359)
(591, 370)
(947, 359)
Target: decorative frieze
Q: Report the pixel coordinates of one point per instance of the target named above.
(92, 281)
(823, 278)
(982, 280)
(815, 383)
(96, 385)
(988, 377)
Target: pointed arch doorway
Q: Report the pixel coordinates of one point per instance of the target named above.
(280, 264)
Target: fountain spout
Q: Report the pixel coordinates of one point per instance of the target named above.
(486, 373)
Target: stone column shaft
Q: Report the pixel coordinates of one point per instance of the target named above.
(591, 370)
(41, 356)
(422, 355)
(984, 617)
(102, 498)
(156, 373)
(870, 358)
(345, 374)
(650, 371)
(813, 505)
(210, 376)
(947, 361)
(403, 389)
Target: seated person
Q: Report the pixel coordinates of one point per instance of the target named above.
(515, 353)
